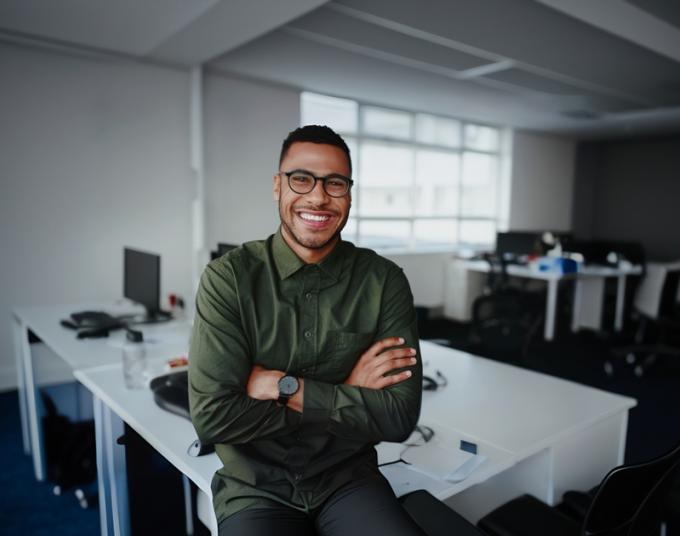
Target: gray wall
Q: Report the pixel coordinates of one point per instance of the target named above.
(542, 182)
(94, 155)
(630, 190)
(245, 124)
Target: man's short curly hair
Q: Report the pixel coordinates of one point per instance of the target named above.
(315, 134)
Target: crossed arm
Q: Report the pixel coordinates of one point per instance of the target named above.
(371, 372)
(234, 402)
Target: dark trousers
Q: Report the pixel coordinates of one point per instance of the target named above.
(364, 508)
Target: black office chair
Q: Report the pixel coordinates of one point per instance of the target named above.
(504, 319)
(655, 305)
(628, 503)
(434, 517)
(576, 504)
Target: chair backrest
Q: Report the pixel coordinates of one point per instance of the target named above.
(656, 295)
(630, 497)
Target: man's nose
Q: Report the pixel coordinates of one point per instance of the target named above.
(318, 192)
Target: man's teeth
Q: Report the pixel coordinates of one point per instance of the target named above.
(312, 217)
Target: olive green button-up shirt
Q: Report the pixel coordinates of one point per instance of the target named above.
(261, 305)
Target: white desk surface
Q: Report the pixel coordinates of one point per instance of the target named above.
(514, 409)
(168, 433)
(510, 412)
(585, 271)
(84, 353)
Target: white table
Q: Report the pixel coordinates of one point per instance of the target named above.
(588, 292)
(66, 354)
(541, 435)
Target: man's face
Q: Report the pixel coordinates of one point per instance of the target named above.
(311, 223)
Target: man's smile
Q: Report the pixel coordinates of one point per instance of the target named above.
(315, 219)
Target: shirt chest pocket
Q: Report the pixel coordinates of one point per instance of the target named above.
(343, 350)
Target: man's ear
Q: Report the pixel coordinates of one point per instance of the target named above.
(276, 187)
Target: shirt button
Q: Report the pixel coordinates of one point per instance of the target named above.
(308, 295)
(297, 477)
(308, 334)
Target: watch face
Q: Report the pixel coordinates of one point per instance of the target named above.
(288, 385)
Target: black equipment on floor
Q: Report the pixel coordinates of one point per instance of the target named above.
(70, 451)
(628, 502)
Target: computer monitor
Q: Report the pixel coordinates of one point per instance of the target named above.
(222, 248)
(512, 245)
(142, 280)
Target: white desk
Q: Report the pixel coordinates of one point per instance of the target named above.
(588, 292)
(71, 354)
(542, 435)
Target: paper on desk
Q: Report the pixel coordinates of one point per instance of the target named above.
(440, 460)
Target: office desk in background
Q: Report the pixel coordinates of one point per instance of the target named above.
(60, 354)
(541, 435)
(588, 291)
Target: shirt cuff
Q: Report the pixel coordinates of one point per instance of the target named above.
(318, 402)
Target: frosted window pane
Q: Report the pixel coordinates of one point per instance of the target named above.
(482, 138)
(437, 130)
(435, 232)
(385, 180)
(339, 114)
(437, 175)
(477, 233)
(479, 185)
(388, 123)
(385, 234)
(349, 233)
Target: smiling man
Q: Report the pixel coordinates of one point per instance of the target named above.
(303, 357)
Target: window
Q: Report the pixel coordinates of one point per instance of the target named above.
(421, 181)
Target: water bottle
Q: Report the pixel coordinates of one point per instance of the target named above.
(134, 360)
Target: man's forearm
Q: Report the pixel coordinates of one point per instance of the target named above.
(263, 384)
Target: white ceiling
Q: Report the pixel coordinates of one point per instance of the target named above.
(584, 68)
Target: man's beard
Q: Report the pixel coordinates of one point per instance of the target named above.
(310, 244)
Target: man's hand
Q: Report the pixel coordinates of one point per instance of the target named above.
(372, 366)
(263, 384)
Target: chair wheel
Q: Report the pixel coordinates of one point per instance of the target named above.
(630, 358)
(608, 368)
(639, 371)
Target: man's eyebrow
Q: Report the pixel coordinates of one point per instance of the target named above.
(329, 176)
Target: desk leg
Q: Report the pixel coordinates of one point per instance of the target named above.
(620, 302)
(576, 308)
(32, 403)
(550, 310)
(188, 506)
(114, 515)
(19, 334)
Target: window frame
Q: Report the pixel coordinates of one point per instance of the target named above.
(356, 140)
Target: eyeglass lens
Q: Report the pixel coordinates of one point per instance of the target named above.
(303, 183)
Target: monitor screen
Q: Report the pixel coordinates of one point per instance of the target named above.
(517, 243)
(142, 278)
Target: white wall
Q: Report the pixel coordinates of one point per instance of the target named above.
(245, 124)
(94, 155)
(542, 182)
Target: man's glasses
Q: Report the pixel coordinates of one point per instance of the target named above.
(303, 182)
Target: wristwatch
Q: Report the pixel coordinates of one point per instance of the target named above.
(288, 386)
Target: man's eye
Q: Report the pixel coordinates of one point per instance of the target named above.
(336, 183)
(300, 178)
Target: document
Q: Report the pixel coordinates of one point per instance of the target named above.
(442, 460)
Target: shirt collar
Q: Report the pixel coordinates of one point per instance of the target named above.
(287, 262)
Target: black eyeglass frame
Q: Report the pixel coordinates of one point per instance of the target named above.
(323, 180)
